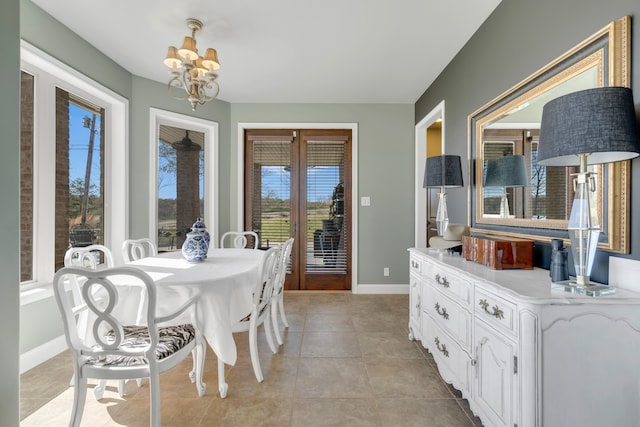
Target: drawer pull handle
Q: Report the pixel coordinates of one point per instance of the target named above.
(414, 264)
(442, 280)
(442, 312)
(442, 348)
(497, 313)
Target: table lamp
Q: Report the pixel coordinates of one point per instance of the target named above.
(583, 128)
(503, 172)
(442, 172)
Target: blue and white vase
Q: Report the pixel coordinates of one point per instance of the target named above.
(196, 246)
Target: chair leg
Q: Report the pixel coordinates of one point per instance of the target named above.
(223, 387)
(79, 397)
(98, 391)
(281, 307)
(121, 387)
(253, 349)
(267, 331)
(274, 321)
(198, 355)
(154, 400)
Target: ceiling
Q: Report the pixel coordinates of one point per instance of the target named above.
(288, 51)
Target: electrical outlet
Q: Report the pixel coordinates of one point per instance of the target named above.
(386, 271)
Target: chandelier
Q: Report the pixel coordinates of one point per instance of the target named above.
(191, 72)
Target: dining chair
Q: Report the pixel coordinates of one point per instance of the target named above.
(240, 239)
(261, 310)
(134, 249)
(277, 301)
(93, 257)
(116, 350)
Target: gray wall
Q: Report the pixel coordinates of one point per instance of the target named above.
(520, 37)
(9, 209)
(385, 173)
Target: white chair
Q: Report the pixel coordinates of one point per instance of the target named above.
(135, 249)
(239, 239)
(277, 301)
(93, 257)
(261, 312)
(114, 350)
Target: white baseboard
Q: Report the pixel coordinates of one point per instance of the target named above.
(36, 356)
(382, 289)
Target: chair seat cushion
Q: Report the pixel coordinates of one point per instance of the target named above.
(171, 339)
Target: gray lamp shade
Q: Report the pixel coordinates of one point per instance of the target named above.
(443, 171)
(507, 171)
(600, 122)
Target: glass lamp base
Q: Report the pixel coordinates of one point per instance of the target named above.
(589, 290)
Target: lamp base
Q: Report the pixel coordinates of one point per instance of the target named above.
(590, 290)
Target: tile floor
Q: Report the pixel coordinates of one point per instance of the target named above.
(346, 361)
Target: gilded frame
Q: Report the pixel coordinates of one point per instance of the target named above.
(609, 51)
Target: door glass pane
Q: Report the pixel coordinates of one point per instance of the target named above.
(325, 241)
(271, 195)
(26, 177)
(180, 184)
(79, 173)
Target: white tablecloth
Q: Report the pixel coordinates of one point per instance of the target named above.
(223, 282)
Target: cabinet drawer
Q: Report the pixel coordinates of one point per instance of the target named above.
(454, 364)
(415, 264)
(451, 284)
(495, 310)
(449, 315)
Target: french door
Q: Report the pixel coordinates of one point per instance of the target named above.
(298, 184)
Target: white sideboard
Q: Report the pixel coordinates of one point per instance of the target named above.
(521, 353)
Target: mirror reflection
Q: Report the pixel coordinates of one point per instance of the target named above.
(509, 125)
(547, 192)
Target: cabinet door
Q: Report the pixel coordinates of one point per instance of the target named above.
(454, 365)
(415, 284)
(495, 376)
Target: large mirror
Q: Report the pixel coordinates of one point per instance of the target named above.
(511, 195)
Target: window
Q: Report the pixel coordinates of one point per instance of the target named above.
(180, 184)
(73, 153)
(79, 174)
(183, 153)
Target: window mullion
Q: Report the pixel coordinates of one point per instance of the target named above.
(44, 177)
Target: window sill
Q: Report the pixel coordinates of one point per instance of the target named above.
(34, 292)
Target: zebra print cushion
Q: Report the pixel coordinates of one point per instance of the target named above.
(171, 339)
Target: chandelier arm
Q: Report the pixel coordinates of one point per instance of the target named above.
(176, 83)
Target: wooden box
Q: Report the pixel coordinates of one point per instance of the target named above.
(498, 254)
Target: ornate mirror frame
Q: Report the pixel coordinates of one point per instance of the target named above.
(609, 51)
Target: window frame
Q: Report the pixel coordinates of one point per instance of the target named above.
(50, 73)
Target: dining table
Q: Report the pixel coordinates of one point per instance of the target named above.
(223, 283)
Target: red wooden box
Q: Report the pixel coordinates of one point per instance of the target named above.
(498, 254)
